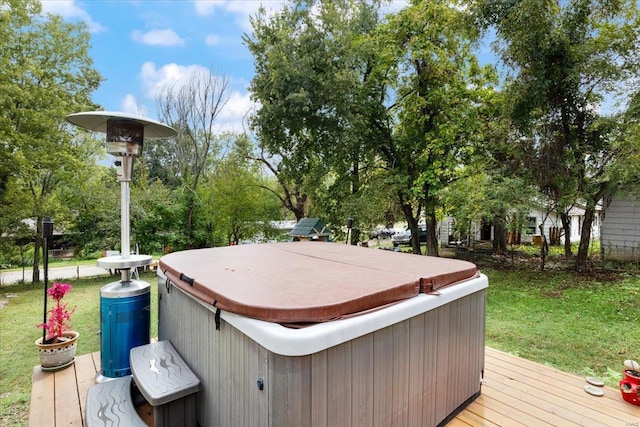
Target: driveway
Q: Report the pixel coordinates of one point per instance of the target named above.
(55, 274)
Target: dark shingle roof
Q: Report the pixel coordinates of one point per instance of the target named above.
(308, 227)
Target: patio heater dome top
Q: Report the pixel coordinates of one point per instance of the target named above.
(97, 121)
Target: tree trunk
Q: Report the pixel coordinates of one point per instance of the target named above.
(585, 239)
(412, 222)
(190, 228)
(566, 225)
(355, 188)
(544, 247)
(432, 238)
(499, 236)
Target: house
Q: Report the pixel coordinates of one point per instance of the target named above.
(310, 229)
(620, 233)
(482, 231)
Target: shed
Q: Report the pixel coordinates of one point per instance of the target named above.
(310, 229)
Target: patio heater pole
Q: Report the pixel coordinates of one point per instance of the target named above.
(125, 221)
(47, 233)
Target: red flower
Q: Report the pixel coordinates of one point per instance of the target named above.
(58, 290)
(59, 315)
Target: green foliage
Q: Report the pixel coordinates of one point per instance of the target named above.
(322, 112)
(192, 108)
(577, 57)
(439, 88)
(96, 226)
(235, 202)
(46, 74)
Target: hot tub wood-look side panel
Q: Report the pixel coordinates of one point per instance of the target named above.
(228, 363)
(413, 373)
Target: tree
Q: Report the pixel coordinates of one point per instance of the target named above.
(236, 204)
(579, 55)
(318, 96)
(438, 86)
(192, 107)
(46, 74)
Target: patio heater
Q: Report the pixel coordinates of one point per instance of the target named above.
(124, 305)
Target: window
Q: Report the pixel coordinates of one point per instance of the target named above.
(531, 225)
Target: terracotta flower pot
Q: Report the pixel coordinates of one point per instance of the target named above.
(60, 354)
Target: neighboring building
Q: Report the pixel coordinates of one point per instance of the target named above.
(553, 224)
(620, 234)
(310, 229)
(553, 231)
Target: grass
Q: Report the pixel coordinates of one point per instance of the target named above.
(22, 311)
(586, 325)
(579, 324)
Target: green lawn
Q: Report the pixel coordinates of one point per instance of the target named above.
(579, 324)
(22, 311)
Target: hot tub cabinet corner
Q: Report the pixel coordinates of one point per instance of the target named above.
(415, 364)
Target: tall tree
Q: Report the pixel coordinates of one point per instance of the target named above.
(579, 55)
(46, 74)
(192, 108)
(317, 95)
(438, 86)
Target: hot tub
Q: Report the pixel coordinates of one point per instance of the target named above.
(323, 334)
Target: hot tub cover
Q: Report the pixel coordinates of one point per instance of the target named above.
(307, 282)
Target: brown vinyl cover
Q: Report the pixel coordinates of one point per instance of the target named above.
(307, 282)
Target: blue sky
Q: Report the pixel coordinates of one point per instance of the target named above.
(140, 45)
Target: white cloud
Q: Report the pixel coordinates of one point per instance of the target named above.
(242, 8)
(69, 9)
(212, 40)
(129, 104)
(156, 80)
(234, 112)
(166, 37)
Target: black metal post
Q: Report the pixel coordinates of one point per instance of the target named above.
(47, 233)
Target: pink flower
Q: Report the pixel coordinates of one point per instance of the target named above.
(58, 290)
(59, 316)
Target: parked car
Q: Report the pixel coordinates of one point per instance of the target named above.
(381, 233)
(404, 237)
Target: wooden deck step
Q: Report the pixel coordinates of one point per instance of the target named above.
(516, 392)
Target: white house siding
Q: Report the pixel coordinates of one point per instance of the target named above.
(536, 216)
(576, 216)
(620, 238)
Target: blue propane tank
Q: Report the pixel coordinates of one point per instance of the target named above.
(124, 324)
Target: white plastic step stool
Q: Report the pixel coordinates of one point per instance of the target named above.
(166, 382)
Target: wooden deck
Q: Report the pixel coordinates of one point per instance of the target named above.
(516, 392)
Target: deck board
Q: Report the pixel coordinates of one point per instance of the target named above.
(515, 392)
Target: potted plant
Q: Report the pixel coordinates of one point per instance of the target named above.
(57, 346)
